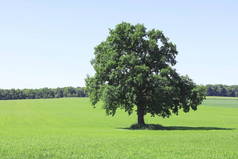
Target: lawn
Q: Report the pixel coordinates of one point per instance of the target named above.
(69, 128)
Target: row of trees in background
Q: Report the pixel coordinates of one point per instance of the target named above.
(212, 90)
(42, 93)
(222, 90)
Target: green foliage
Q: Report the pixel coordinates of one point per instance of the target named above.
(134, 67)
(222, 90)
(6, 94)
(68, 128)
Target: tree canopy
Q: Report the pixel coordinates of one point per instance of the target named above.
(134, 68)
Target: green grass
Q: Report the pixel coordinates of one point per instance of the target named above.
(221, 102)
(70, 129)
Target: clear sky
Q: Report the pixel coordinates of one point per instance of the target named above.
(49, 43)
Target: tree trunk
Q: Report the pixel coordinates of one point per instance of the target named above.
(140, 115)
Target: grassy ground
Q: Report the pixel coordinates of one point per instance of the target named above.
(70, 129)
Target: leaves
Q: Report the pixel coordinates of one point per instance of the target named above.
(134, 68)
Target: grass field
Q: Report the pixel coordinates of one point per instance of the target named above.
(69, 128)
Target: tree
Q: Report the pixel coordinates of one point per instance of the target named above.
(134, 68)
(6, 94)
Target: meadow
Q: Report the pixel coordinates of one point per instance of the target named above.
(69, 128)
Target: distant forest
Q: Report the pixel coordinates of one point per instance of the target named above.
(6, 94)
(222, 90)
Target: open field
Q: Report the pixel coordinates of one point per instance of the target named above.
(69, 128)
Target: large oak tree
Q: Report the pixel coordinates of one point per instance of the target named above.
(134, 68)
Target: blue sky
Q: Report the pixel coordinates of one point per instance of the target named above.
(50, 43)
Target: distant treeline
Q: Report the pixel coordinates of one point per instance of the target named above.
(222, 90)
(6, 94)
